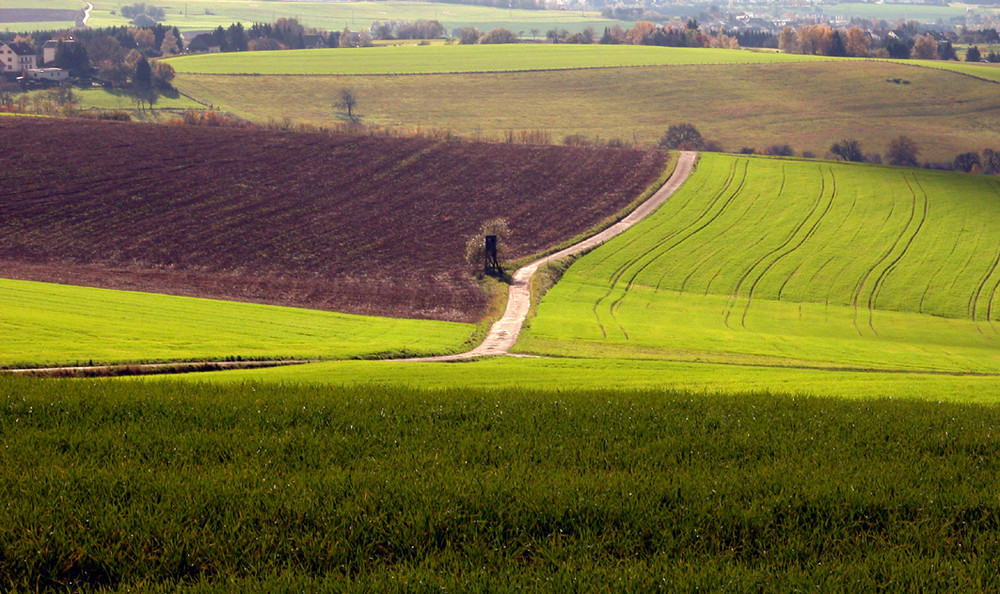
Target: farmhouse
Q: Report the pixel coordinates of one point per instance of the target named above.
(204, 43)
(17, 57)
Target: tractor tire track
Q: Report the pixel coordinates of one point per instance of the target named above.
(711, 255)
(973, 305)
(836, 233)
(808, 234)
(734, 297)
(628, 287)
(937, 270)
(856, 293)
(621, 270)
(880, 281)
(873, 294)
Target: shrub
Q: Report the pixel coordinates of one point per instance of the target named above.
(498, 36)
(684, 137)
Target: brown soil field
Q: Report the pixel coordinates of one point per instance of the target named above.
(354, 224)
(37, 15)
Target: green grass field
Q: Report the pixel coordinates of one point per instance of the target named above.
(909, 12)
(808, 105)
(467, 58)
(118, 486)
(43, 324)
(990, 72)
(201, 15)
(794, 263)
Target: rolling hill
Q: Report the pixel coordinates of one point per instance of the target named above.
(794, 263)
(629, 93)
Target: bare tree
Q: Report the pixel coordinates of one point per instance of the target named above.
(848, 149)
(903, 151)
(348, 100)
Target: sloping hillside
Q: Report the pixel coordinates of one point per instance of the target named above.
(802, 263)
(355, 224)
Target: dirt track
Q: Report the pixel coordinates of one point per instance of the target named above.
(504, 332)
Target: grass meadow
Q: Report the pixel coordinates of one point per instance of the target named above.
(988, 72)
(911, 12)
(262, 487)
(944, 112)
(466, 58)
(203, 15)
(45, 324)
(787, 262)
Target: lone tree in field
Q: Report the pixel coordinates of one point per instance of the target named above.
(348, 101)
(973, 54)
(902, 151)
(848, 149)
(682, 137)
(475, 247)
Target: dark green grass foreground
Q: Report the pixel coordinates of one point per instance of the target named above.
(122, 485)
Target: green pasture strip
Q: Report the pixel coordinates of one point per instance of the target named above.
(46, 324)
(29, 26)
(576, 374)
(466, 58)
(46, 4)
(808, 105)
(892, 11)
(989, 72)
(257, 487)
(120, 100)
(204, 15)
(793, 262)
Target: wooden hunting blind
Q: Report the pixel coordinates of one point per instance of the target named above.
(491, 264)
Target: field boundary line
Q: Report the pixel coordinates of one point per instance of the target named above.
(505, 331)
(549, 69)
(124, 369)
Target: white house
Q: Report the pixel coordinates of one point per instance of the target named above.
(56, 74)
(17, 57)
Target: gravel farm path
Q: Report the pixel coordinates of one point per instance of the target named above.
(504, 332)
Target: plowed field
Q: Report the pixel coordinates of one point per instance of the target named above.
(354, 224)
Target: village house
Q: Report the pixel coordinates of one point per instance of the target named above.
(50, 48)
(204, 43)
(17, 57)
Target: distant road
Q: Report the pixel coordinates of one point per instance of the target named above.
(86, 13)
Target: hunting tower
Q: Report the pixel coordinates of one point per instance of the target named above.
(491, 264)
